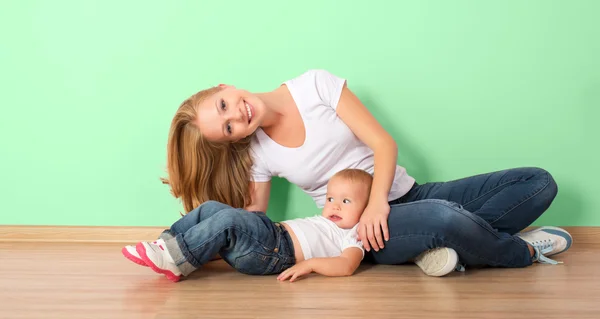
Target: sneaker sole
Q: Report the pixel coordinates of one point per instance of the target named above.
(133, 258)
(141, 249)
(449, 267)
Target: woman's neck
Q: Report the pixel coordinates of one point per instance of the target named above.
(274, 107)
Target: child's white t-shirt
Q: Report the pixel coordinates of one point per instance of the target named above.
(329, 146)
(320, 237)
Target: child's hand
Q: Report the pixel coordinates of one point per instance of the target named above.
(300, 269)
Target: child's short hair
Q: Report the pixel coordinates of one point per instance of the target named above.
(356, 175)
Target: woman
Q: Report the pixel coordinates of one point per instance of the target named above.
(225, 144)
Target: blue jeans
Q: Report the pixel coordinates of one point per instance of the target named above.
(476, 216)
(248, 241)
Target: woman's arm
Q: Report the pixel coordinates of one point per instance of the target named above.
(260, 193)
(364, 125)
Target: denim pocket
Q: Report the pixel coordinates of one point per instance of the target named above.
(255, 263)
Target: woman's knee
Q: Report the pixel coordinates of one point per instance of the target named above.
(544, 181)
(551, 187)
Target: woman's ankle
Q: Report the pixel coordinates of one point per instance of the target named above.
(531, 250)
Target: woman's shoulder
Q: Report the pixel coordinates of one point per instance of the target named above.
(312, 75)
(318, 83)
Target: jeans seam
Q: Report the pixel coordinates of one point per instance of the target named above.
(528, 197)
(289, 248)
(456, 209)
(491, 190)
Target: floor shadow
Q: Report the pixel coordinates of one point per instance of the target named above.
(365, 266)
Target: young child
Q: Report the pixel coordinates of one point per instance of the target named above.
(326, 244)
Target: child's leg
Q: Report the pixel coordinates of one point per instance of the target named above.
(200, 213)
(250, 242)
(195, 216)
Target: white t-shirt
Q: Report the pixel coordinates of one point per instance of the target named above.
(329, 146)
(320, 237)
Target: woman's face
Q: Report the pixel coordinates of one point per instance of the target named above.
(230, 115)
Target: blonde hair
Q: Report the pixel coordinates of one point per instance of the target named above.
(200, 170)
(356, 176)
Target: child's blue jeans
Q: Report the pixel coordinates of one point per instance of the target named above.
(248, 241)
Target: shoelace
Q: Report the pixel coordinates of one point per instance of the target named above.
(541, 248)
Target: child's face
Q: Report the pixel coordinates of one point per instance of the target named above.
(345, 202)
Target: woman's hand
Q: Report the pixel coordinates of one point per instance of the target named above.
(373, 226)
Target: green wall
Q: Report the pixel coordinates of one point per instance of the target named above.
(89, 88)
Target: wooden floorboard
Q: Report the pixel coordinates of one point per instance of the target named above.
(75, 280)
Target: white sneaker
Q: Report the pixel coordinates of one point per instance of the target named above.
(547, 241)
(438, 262)
(157, 257)
(130, 253)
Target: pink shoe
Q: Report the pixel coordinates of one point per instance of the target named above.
(130, 253)
(157, 257)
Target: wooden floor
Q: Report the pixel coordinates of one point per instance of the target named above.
(53, 280)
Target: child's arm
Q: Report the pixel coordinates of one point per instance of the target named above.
(344, 265)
